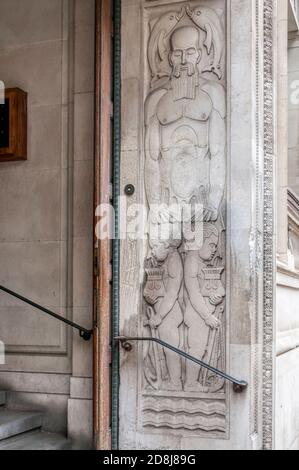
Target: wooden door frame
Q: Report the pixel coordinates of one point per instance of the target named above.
(102, 248)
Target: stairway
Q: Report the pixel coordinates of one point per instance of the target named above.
(22, 430)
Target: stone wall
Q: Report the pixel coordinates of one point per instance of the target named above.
(46, 206)
(287, 338)
(287, 369)
(293, 121)
(245, 425)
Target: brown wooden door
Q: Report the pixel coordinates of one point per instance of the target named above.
(102, 248)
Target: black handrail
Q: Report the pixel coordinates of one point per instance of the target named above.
(84, 333)
(239, 385)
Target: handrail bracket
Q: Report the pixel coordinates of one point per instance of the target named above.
(126, 343)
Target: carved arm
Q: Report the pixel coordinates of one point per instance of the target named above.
(217, 136)
(175, 273)
(193, 290)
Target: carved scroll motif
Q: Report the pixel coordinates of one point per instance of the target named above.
(185, 151)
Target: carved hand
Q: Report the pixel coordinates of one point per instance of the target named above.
(151, 299)
(215, 300)
(213, 322)
(210, 214)
(154, 321)
(162, 215)
(151, 259)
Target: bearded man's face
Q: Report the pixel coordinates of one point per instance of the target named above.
(184, 57)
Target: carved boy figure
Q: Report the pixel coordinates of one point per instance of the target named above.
(162, 291)
(199, 314)
(167, 313)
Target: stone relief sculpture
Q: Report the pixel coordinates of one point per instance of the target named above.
(185, 161)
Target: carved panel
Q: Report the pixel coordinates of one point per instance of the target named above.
(185, 179)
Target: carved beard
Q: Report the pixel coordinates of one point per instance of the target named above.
(184, 81)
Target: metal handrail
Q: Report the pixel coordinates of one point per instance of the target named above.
(239, 385)
(83, 332)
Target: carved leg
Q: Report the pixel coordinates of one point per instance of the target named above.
(169, 332)
(197, 333)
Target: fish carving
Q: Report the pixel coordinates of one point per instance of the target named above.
(209, 22)
(157, 47)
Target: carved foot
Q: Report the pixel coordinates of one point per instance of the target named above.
(172, 386)
(193, 387)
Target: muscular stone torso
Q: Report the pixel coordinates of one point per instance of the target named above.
(184, 143)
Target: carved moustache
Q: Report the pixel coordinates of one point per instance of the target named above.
(184, 82)
(178, 69)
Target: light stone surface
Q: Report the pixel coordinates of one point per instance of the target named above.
(84, 12)
(84, 57)
(287, 323)
(34, 242)
(36, 440)
(282, 134)
(36, 382)
(242, 412)
(81, 388)
(36, 68)
(52, 406)
(80, 423)
(18, 422)
(287, 370)
(287, 403)
(42, 19)
(84, 127)
(79, 416)
(46, 206)
(293, 120)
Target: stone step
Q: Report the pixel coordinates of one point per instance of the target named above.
(2, 398)
(14, 422)
(36, 440)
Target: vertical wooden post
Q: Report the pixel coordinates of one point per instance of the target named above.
(102, 248)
